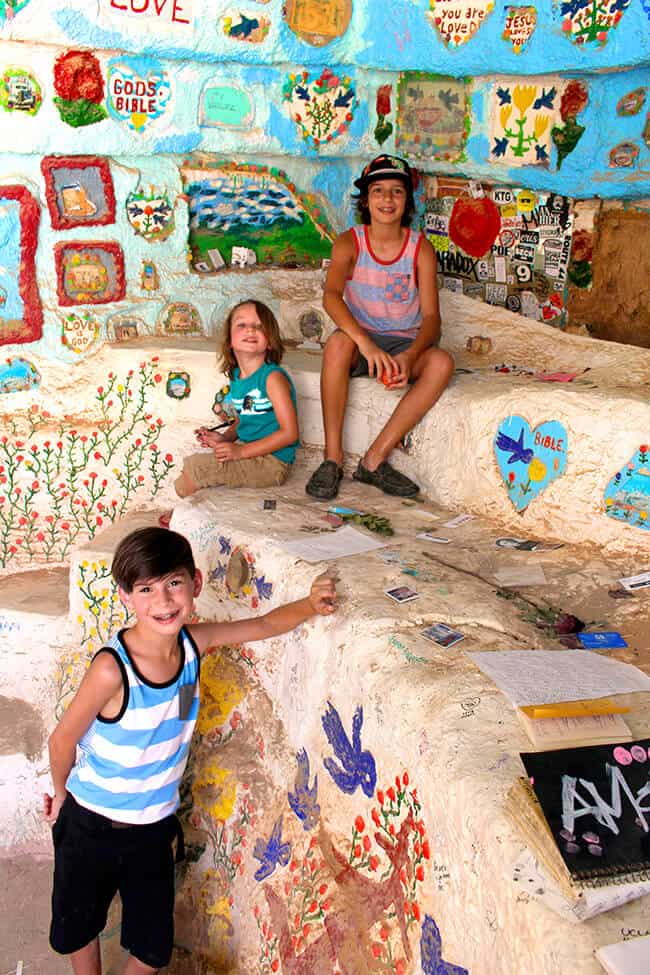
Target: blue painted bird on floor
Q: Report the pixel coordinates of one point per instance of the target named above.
(359, 767)
(515, 447)
(303, 800)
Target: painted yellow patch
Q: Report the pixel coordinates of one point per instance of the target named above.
(219, 695)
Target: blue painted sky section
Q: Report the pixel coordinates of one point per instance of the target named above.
(393, 36)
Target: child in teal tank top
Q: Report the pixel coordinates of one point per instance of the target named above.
(258, 446)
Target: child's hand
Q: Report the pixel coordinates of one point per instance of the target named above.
(52, 807)
(208, 438)
(402, 373)
(226, 451)
(322, 595)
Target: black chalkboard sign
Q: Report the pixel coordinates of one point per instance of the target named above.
(596, 801)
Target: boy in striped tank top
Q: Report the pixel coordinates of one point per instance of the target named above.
(118, 754)
(382, 294)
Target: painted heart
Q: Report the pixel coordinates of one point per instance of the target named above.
(139, 91)
(456, 21)
(591, 22)
(627, 496)
(529, 459)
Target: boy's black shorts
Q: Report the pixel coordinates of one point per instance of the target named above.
(94, 859)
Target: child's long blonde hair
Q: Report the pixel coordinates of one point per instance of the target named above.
(271, 329)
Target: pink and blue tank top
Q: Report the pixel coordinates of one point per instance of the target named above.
(383, 295)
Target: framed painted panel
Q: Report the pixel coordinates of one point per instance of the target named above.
(89, 272)
(21, 314)
(79, 191)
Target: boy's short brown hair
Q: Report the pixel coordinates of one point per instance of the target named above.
(271, 329)
(150, 553)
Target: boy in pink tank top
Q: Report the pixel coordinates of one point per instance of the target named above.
(381, 292)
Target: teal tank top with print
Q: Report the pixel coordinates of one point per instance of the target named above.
(257, 418)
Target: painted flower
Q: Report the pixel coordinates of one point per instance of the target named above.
(574, 100)
(537, 469)
(383, 100)
(582, 246)
(523, 97)
(77, 74)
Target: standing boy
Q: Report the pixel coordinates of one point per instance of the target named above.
(381, 293)
(132, 719)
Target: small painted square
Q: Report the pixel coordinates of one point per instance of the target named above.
(89, 272)
(79, 191)
(178, 385)
(180, 317)
(521, 119)
(322, 108)
(627, 496)
(432, 116)
(20, 91)
(318, 22)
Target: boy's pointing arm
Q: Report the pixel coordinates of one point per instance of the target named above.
(321, 601)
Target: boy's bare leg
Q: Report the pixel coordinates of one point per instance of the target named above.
(135, 967)
(87, 961)
(339, 355)
(432, 373)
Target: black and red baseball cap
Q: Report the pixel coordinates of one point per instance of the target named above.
(385, 167)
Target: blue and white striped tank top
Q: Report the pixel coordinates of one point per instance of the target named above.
(129, 767)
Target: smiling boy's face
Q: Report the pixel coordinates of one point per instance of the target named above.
(163, 604)
(387, 200)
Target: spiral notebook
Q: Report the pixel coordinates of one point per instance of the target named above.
(595, 801)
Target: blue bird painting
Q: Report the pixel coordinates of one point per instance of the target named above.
(358, 767)
(303, 799)
(431, 951)
(271, 852)
(515, 447)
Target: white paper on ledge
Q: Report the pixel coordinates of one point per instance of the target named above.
(331, 545)
(530, 877)
(549, 676)
(626, 957)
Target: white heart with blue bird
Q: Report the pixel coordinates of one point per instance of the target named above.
(529, 458)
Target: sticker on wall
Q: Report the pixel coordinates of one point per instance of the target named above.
(18, 375)
(507, 246)
(79, 87)
(89, 272)
(149, 279)
(632, 103)
(383, 128)
(322, 109)
(566, 137)
(318, 22)
(151, 214)
(180, 318)
(20, 91)
(257, 208)
(139, 91)
(432, 116)
(123, 327)
(590, 21)
(78, 190)
(225, 107)
(519, 26)
(529, 459)
(21, 314)
(178, 385)
(456, 21)
(520, 123)
(79, 331)
(627, 496)
(250, 30)
(624, 156)
(9, 9)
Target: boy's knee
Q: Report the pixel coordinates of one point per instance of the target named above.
(339, 348)
(440, 361)
(184, 486)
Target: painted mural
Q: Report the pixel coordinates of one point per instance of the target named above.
(322, 107)
(627, 496)
(432, 116)
(504, 245)
(21, 314)
(257, 208)
(59, 483)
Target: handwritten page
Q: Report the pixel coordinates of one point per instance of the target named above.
(332, 545)
(626, 957)
(547, 676)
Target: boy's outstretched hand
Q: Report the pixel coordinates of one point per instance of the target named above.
(322, 595)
